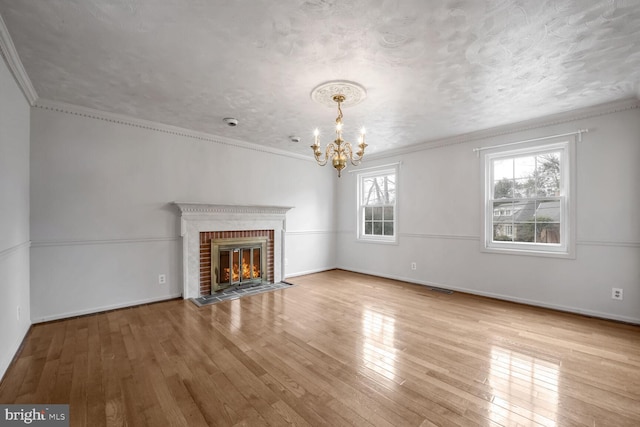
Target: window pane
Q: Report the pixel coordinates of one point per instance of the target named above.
(524, 232)
(502, 168)
(503, 212)
(548, 211)
(388, 213)
(377, 228)
(368, 213)
(524, 167)
(377, 213)
(367, 188)
(548, 232)
(500, 232)
(525, 188)
(389, 187)
(524, 211)
(388, 228)
(379, 190)
(548, 174)
(368, 227)
(503, 189)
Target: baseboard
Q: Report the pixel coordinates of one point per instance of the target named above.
(12, 354)
(304, 273)
(105, 308)
(535, 303)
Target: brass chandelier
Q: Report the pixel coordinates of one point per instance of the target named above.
(339, 150)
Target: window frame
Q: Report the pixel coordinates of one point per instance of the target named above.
(360, 219)
(566, 248)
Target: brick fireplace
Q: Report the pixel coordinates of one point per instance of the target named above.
(201, 222)
(207, 257)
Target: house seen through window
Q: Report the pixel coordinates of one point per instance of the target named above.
(526, 199)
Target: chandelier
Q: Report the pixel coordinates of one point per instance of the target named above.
(339, 151)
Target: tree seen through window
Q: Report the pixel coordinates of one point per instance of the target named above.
(526, 198)
(378, 197)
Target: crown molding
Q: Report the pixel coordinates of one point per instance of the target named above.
(196, 207)
(555, 119)
(121, 119)
(10, 55)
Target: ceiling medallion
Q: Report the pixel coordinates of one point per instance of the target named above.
(339, 151)
(353, 93)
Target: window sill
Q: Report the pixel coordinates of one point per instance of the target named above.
(382, 241)
(530, 252)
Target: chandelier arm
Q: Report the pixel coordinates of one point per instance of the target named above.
(331, 149)
(349, 152)
(357, 158)
(360, 152)
(328, 153)
(320, 161)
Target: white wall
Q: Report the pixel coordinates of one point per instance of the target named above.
(102, 221)
(14, 217)
(439, 211)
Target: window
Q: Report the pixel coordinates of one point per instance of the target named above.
(528, 201)
(377, 205)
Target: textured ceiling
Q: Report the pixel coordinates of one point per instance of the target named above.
(432, 69)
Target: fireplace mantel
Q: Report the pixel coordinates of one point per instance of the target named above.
(202, 217)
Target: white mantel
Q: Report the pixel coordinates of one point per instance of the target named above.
(202, 217)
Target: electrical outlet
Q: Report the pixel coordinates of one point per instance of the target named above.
(414, 266)
(616, 293)
(18, 313)
(286, 261)
(162, 279)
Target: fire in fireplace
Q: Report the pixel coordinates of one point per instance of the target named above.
(239, 264)
(238, 261)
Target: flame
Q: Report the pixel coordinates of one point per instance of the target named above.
(246, 272)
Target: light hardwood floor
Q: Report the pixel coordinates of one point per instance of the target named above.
(337, 349)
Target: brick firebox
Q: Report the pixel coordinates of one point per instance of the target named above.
(205, 253)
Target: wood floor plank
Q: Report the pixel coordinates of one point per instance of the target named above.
(338, 349)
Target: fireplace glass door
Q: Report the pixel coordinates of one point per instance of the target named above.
(240, 265)
(237, 262)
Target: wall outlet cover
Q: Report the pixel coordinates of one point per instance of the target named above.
(616, 293)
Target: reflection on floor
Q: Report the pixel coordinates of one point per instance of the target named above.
(521, 381)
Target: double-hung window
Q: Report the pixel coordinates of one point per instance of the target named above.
(377, 205)
(528, 201)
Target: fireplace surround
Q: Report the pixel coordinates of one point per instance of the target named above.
(204, 217)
